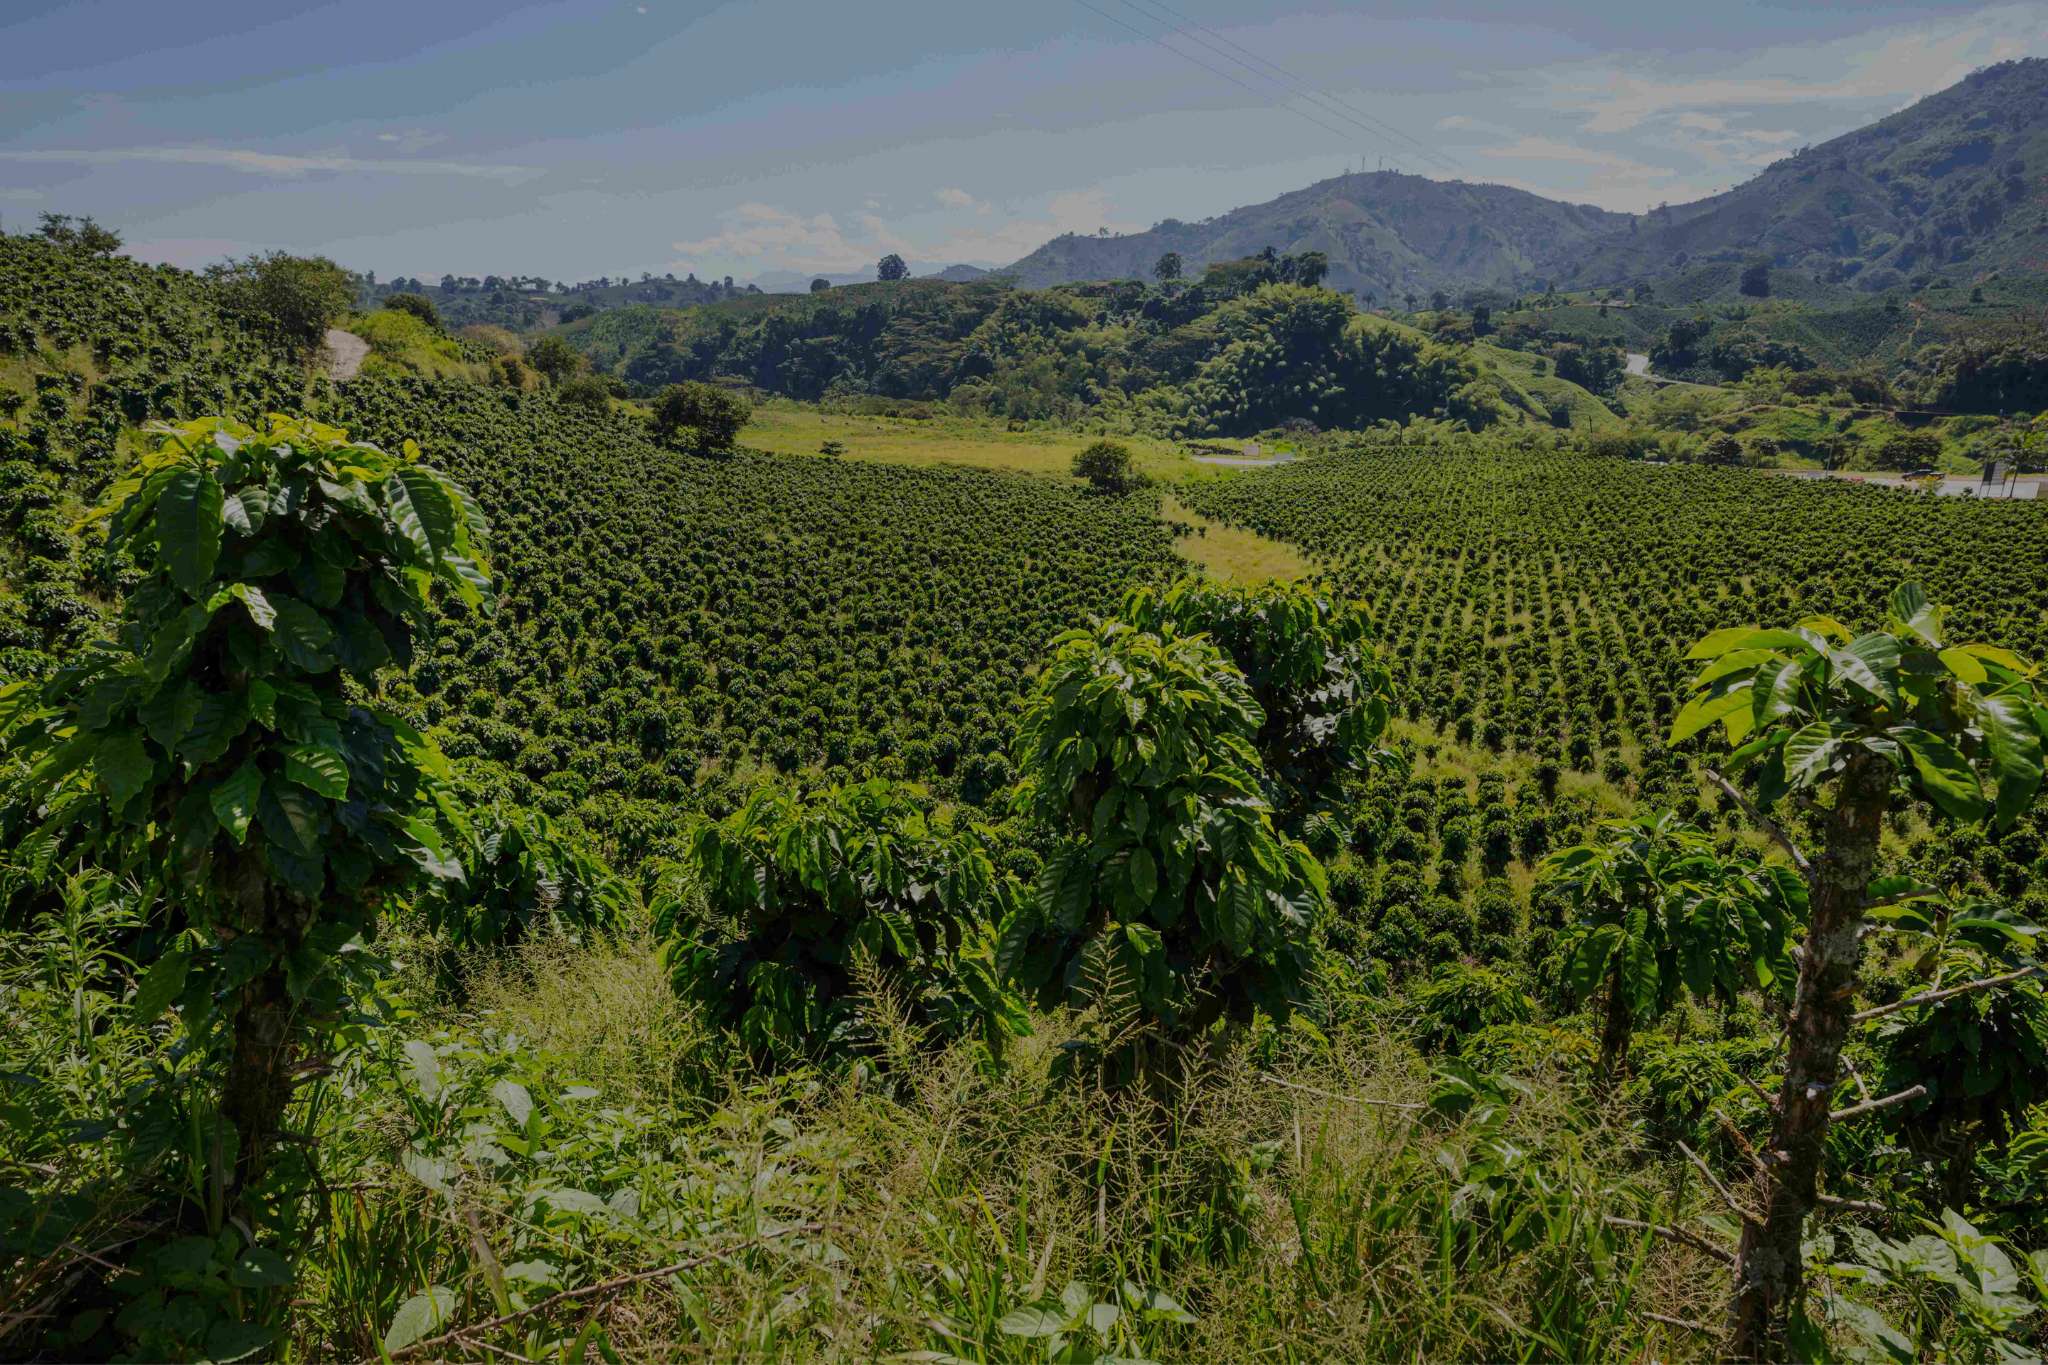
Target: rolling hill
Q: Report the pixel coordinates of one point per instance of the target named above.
(1385, 233)
(1953, 182)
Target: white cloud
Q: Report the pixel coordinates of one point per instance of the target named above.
(1899, 64)
(410, 140)
(960, 199)
(763, 235)
(270, 163)
(759, 236)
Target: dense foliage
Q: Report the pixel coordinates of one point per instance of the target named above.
(767, 1119)
(1171, 898)
(830, 913)
(1236, 353)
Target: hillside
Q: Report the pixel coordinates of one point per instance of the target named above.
(797, 907)
(1953, 183)
(1230, 356)
(1386, 234)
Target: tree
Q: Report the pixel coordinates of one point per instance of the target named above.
(1722, 449)
(1170, 901)
(1107, 466)
(891, 267)
(1307, 268)
(1863, 719)
(1756, 279)
(1657, 912)
(227, 751)
(1324, 695)
(418, 305)
(587, 391)
(1167, 268)
(80, 234)
(554, 358)
(820, 285)
(707, 417)
(818, 899)
(294, 298)
(1904, 449)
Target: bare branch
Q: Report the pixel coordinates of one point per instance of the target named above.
(1872, 1106)
(1932, 997)
(1742, 1145)
(1678, 1235)
(465, 1335)
(1829, 1201)
(1769, 1102)
(1727, 1197)
(1687, 1323)
(1856, 1076)
(1763, 822)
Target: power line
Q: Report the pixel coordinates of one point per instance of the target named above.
(1262, 95)
(1343, 109)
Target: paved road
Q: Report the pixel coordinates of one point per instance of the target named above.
(344, 352)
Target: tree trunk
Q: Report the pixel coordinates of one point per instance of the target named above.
(259, 1080)
(1614, 1036)
(264, 1049)
(1769, 1269)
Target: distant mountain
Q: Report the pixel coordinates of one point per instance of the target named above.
(1955, 181)
(1952, 183)
(1385, 233)
(960, 274)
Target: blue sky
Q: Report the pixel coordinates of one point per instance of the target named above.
(600, 137)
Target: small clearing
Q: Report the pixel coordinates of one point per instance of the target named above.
(1231, 552)
(343, 353)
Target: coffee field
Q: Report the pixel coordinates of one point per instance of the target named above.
(481, 876)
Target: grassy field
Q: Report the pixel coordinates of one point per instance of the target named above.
(1230, 553)
(789, 428)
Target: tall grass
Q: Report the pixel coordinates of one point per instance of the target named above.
(1301, 1199)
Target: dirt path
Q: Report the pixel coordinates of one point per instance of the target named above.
(343, 352)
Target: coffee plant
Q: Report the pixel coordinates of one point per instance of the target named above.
(827, 912)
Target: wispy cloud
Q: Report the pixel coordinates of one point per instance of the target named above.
(1897, 64)
(274, 164)
(757, 236)
(954, 198)
(406, 141)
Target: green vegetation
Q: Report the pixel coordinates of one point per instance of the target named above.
(799, 905)
(293, 298)
(1245, 349)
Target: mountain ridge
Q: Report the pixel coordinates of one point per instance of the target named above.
(1945, 181)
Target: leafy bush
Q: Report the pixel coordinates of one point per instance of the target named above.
(1106, 465)
(225, 752)
(1324, 695)
(523, 876)
(828, 914)
(702, 416)
(295, 298)
(419, 305)
(1170, 894)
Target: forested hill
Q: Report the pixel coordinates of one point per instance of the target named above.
(1386, 235)
(1240, 350)
(1953, 181)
